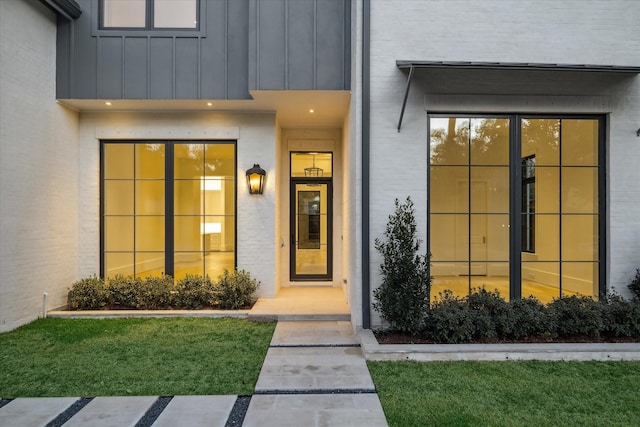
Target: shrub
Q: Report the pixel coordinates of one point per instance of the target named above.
(575, 316)
(529, 319)
(153, 293)
(634, 285)
(492, 315)
(403, 297)
(449, 320)
(621, 318)
(88, 294)
(235, 290)
(194, 292)
(123, 291)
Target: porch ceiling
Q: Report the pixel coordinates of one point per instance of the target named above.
(292, 108)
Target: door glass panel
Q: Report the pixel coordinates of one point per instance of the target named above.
(311, 229)
(118, 161)
(150, 197)
(118, 197)
(449, 142)
(149, 264)
(150, 158)
(490, 141)
(541, 137)
(442, 179)
(579, 142)
(541, 280)
(188, 162)
(120, 235)
(490, 189)
(580, 278)
(118, 263)
(579, 190)
(579, 237)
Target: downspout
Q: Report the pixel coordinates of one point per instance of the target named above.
(366, 117)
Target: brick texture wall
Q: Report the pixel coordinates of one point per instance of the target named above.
(38, 168)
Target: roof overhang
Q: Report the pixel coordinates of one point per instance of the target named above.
(412, 66)
(69, 9)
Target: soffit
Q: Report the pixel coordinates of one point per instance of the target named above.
(291, 108)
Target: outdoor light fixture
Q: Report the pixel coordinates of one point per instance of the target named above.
(255, 179)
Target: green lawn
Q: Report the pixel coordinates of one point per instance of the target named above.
(72, 357)
(509, 393)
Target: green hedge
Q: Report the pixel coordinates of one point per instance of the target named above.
(232, 290)
(484, 316)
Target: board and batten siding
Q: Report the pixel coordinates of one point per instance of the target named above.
(241, 45)
(300, 45)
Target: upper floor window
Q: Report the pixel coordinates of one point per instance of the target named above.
(149, 14)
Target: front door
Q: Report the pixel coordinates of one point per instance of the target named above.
(311, 214)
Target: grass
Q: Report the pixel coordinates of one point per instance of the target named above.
(120, 357)
(509, 393)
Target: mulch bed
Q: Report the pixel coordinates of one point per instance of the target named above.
(388, 337)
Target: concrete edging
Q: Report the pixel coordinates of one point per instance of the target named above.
(374, 351)
(115, 314)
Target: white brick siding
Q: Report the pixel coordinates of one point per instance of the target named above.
(541, 31)
(38, 168)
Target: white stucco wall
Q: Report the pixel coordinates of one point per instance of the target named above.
(256, 215)
(38, 168)
(544, 31)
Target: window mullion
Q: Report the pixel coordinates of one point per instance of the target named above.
(515, 215)
(168, 209)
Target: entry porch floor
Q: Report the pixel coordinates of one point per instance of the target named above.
(303, 303)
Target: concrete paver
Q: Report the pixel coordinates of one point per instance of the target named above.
(33, 411)
(194, 411)
(112, 411)
(302, 410)
(314, 333)
(314, 368)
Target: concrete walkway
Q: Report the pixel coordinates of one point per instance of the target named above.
(314, 375)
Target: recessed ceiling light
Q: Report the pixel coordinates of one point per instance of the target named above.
(108, 103)
(311, 110)
(209, 104)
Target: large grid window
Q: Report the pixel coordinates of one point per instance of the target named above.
(514, 205)
(149, 14)
(168, 207)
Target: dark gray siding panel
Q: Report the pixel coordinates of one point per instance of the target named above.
(210, 63)
(83, 59)
(271, 44)
(213, 53)
(63, 52)
(237, 59)
(330, 34)
(241, 45)
(110, 67)
(135, 67)
(187, 68)
(161, 68)
(301, 44)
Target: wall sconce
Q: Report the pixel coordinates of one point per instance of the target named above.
(638, 132)
(255, 179)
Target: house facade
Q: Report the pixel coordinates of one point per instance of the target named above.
(127, 129)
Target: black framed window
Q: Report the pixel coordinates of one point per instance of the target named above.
(168, 207)
(149, 14)
(529, 204)
(516, 203)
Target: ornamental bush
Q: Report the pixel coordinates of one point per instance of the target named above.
(575, 316)
(235, 290)
(153, 293)
(88, 294)
(450, 320)
(194, 292)
(123, 291)
(403, 297)
(529, 319)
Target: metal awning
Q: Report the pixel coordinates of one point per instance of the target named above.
(411, 66)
